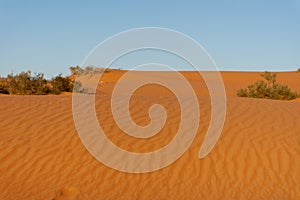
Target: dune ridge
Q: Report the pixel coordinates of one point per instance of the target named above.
(256, 157)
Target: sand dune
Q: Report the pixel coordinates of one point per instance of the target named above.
(256, 157)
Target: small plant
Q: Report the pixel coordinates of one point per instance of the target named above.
(76, 70)
(268, 89)
(38, 84)
(61, 84)
(88, 70)
(298, 70)
(78, 88)
(4, 89)
(25, 83)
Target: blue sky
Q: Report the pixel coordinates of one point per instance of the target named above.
(51, 36)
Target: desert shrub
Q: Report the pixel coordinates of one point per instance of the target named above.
(20, 83)
(76, 70)
(88, 70)
(26, 84)
(38, 84)
(298, 70)
(268, 89)
(4, 89)
(78, 88)
(61, 84)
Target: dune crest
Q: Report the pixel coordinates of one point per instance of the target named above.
(256, 157)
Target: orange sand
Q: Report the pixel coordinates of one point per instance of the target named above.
(257, 156)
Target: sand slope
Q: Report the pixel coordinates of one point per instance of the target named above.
(257, 156)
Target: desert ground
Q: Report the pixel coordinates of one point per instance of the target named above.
(256, 157)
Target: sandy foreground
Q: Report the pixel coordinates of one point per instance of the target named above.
(256, 157)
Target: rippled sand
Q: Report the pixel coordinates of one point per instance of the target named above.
(256, 157)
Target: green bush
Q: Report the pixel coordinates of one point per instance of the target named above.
(4, 89)
(25, 83)
(61, 84)
(76, 70)
(88, 70)
(38, 84)
(268, 89)
(78, 88)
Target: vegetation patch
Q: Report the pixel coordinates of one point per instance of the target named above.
(268, 89)
(26, 83)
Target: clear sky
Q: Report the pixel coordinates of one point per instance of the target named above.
(51, 36)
